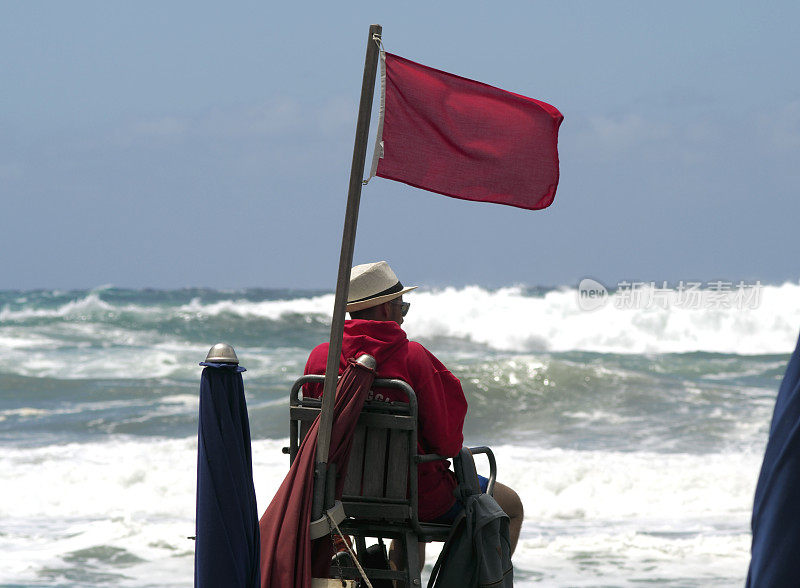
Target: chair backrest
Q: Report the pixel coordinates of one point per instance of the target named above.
(381, 478)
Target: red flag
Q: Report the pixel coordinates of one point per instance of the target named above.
(466, 139)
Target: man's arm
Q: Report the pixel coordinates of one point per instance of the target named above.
(442, 406)
(315, 365)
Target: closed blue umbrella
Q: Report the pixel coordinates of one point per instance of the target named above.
(227, 535)
(776, 508)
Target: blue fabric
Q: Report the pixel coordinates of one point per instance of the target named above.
(229, 366)
(227, 535)
(776, 507)
(448, 517)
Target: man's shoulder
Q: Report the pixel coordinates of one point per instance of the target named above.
(317, 359)
(321, 348)
(419, 353)
(417, 348)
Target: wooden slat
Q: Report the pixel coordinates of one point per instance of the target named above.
(385, 421)
(305, 418)
(304, 427)
(400, 408)
(397, 464)
(352, 483)
(368, 419)
(374, 462)
(303, 413)
(370, 511)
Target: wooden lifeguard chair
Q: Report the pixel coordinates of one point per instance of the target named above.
(380, 497)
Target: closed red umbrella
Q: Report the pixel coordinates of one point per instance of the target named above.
(288, 555)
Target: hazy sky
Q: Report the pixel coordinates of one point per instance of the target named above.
(169, 144)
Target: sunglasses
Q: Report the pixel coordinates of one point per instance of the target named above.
(404, 306)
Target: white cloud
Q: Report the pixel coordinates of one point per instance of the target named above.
(338, 113)
(781, 128)
(687, 141)
(628, 130)
(612, 136)
(280, 116)
(10, 170)
(277, 116)
(168, 126)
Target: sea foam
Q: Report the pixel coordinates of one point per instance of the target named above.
(91, 337)
(129, 504)
(509, 320)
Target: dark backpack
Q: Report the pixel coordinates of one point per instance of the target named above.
(478, 550)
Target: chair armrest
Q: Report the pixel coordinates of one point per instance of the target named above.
(428, 457)
(492, 466)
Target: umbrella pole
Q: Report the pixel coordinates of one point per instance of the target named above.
(343, 280)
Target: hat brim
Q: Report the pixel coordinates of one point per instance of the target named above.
(370, 302)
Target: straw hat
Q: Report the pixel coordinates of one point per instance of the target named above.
(372, 284)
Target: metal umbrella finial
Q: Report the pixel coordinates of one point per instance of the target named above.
(367, 361)
(222, 353)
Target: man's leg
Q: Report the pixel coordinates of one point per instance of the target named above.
(509, 501)
(396, 555)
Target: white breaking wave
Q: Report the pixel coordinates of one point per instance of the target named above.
(78, 361)
(638, 488)
(91, 306)
(267, 309)
(506, 319)
(162, 360)
(595, 517)
(625, 511)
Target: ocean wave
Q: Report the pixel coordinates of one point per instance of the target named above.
(562, 484)
(677, 510)
(85, 307)
(91, 306)
(268, 309)
(471, 318)
(509, 320)
(155, 474)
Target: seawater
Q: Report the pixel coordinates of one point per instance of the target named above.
(633, 435)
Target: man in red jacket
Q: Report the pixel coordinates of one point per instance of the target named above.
(375, 303)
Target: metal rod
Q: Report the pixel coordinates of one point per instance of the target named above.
(348, 244)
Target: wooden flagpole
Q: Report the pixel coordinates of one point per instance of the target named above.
(345, 262)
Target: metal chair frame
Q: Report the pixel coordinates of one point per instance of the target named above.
(380, 494)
